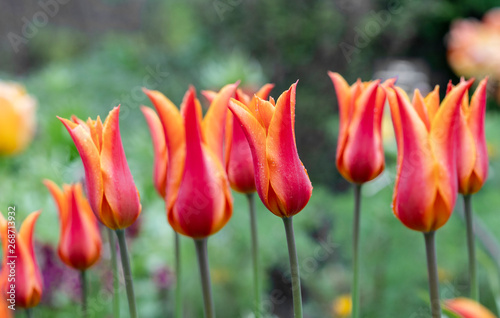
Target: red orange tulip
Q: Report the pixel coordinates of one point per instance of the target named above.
(281, 179)
(26, 282)
(80, 240)
(360, 153)
(198, 196)
(426, 182)
(112, 193)
(472, 153)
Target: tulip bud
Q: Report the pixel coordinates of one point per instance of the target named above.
(426, 182)
(198, 196)
(20, 255)
(80, 240)
(112, 193)
(281, 179)
(467, 308)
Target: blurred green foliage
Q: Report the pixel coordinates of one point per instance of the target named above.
(208, 44)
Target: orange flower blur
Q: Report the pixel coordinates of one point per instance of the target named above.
(238, 156)
(472, 152)
(112, 193)
(281, 179)
(80, 240)
(28, 279)
(467, 308)
(360, 153)
(426, 183)
(198, 195)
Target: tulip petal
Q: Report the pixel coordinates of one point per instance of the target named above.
(256, 136)
(432, 103)
(288, 176)
(213, 124)
(59, 197)
(344, 99)
(264, 91)
(119, 187)
(160, 150)
(263, 110)
(173, 128)
(91, 162)
(419, 105)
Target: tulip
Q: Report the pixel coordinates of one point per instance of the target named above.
(112, 193)
(80, 240)
(472, 165)
(240, 171)
(5, 311)
(426, 181)
(467, 308)
(280, 177)
(198, 196)
(17, 118)
(18, 248)
(360, 152)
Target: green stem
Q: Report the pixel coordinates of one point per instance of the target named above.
(294, 267)
(430, 247)
(83, 281)
(201, 252)
(255, 253)
(29, 313)
(355, 251)
(178, 291)
(114, 267)
(127, 273)
(474, 284)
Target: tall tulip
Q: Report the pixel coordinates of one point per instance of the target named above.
(17, 118)
(112, 193)
(80, 240)
(280, 177)
(198, 196)
(26, 288)
(426, 183)
(360, 153)
(241, 174)
(472, 164)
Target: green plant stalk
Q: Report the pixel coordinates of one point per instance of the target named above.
(29, 312)
(201, 252)
(114, 268)
(430, 247)
(178, 291)
(255, 254)
(127, 273)
(294, 267)
(355, 251)
(469, 222)
(84, 283)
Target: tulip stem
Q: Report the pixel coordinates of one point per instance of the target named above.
(127, 273)
(255, 253)
(355, 251)
(201, 252)
(29, 313)
(294, 267)
(430, 247)
(178, 291)
(474, 284)
(114, 268)
(83, 282)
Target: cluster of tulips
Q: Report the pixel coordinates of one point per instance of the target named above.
(247, 143)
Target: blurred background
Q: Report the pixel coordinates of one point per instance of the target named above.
(84, 58)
